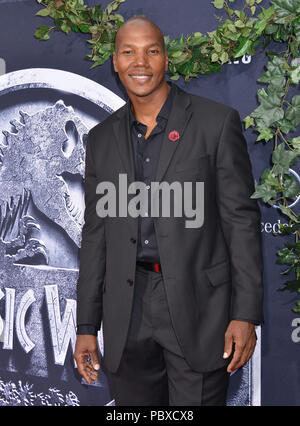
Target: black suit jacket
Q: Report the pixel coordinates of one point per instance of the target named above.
(213, 273)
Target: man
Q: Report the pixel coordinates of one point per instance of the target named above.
(179, 302)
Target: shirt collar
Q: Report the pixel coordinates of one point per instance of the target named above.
(165, 109)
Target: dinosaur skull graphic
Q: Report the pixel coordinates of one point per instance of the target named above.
(44, 155)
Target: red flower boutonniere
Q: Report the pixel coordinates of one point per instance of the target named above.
(173, 136)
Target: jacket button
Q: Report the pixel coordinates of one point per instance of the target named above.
(133, 240)
(130, 282)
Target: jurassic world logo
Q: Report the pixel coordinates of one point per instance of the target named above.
(41, 166)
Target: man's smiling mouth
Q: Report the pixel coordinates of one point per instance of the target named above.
(140, 77)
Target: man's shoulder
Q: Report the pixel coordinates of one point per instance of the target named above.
(106, 124)
(208, 106)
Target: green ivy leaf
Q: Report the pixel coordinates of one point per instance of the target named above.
(197, 39)
(244, 46)
(65, 28)
(264, 134)
(176, 54)
(286, 229)
(175, 77)
(294, 74)
(267, 13)
(260, 26)
(181, 58)
(282, 159)
(224, 57)
(219, 4)
(217, 47)
(231, 27)
(292, 188)
(292, 285)
(43, 12)
(296, 143)
(285, 256)
(287, 212)
(287, 271)
(296, 309)
(270, 109)
(271, 180)
(84, 28)
(285, 125)
(249, 121)
(276, 70)
(263, 191)
(286, 10)
(239, 24)
(296, 25)
(43, 32)
(231, 35)
(271, 29)
(293, 111)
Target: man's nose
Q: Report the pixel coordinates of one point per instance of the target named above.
(141, 58)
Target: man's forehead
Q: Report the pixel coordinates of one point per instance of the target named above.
(129, 31)
(136, 43)
(137, 25)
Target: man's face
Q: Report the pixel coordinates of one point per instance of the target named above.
(139, 59)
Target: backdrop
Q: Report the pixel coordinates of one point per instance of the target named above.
(49, 99)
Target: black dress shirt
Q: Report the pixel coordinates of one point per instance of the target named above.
(146, 156)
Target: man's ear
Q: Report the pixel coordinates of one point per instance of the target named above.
(166, 63)
(115, 61)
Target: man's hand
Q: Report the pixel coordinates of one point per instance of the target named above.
(243, 335)
(86, 345)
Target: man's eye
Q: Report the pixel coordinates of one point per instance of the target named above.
(126, 51)
(153, 51)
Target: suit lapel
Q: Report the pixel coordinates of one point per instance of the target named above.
(178, 119)
(123, 139)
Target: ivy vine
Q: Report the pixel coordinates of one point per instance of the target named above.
(278, 112)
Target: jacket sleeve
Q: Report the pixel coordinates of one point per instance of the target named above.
(87, 329)
(240, 218)
(93, 250)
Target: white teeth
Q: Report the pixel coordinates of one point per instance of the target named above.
(140, 76)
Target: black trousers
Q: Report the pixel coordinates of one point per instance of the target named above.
(153, 370)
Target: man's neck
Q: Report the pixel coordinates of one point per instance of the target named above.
(146, 108)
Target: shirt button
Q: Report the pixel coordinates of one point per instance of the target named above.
(130, 282)
(148, 186)
(146, 241)
(147, 160)
(133, 240)
(139, 135)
